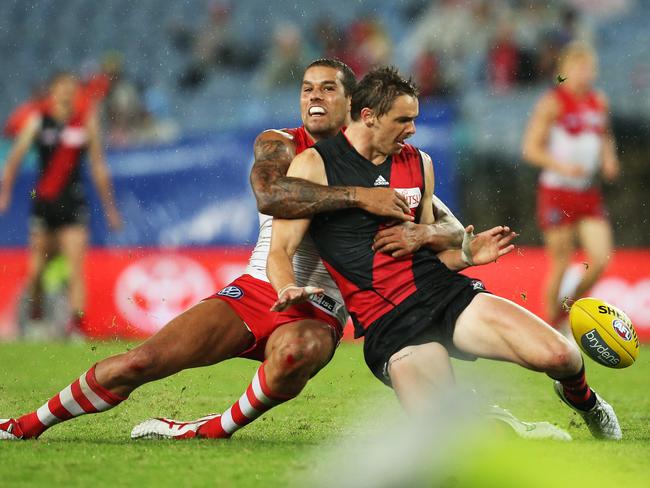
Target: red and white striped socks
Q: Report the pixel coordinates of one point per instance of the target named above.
(257, 399)
(83, 396)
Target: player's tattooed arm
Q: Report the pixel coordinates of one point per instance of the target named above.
(273, 154)
(288, 197)
(447, 231)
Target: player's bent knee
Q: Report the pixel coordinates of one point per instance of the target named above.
(561, 356)
(298, 354)
(303, 353)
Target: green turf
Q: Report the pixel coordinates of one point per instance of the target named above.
(278, 449)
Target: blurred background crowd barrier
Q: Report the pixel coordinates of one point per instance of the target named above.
(187, 85)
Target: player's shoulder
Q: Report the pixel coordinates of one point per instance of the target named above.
(424, 156)
(308, 155)
(551, 101)
(285, 135)
(273, 142)
(553, 95)
(308, 165)
(33, 122)
(297, 138)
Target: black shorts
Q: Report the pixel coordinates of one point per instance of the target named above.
(51, 216)
(429, 315)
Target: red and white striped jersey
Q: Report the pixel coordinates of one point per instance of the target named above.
(576, 138)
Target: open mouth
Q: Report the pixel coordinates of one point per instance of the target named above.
(317, 111)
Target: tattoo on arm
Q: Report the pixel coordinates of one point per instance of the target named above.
(449, 231)
(291, 198)
(272, 160)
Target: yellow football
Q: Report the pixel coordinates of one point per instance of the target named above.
(604, 333)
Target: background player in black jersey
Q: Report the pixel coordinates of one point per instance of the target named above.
(63, 129)
(433, 311)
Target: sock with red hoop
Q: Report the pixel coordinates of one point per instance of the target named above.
(82, 396)
(257, 399)
(577, 391)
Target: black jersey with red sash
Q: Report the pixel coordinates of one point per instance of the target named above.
(61, 148)
(372, 284)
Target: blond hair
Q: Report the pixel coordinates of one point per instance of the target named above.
(575, 50)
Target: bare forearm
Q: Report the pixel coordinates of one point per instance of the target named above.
(279, 269)
(540, 158)
(448, 231)
(9, 174)
(609, 147)
(18, 152)
(14, 159)
(104, 187)
(443, 236)
(294, 198)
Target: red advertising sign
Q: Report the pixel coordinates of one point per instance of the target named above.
(132, 293)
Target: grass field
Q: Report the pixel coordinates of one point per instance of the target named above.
(280, 448)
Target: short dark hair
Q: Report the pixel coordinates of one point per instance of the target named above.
(349, 78)
(379, 89)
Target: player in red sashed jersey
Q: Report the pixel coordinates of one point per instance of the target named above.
(570, 139)
(236, 321)
(414, 312)
(64, 128)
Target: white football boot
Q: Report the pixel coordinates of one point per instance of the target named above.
(10, 430)
(528, 430)
(601, 419)
(162, 428)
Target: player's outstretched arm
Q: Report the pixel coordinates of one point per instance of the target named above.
(439, 230)
(287, 197)
(99, 172)
(483, 248)
(15, 158)
(448, 230)
(286, 237)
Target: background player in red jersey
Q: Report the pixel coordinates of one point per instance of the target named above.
(63, 130)
(415, 311)
(570, 139)
(217, 329)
